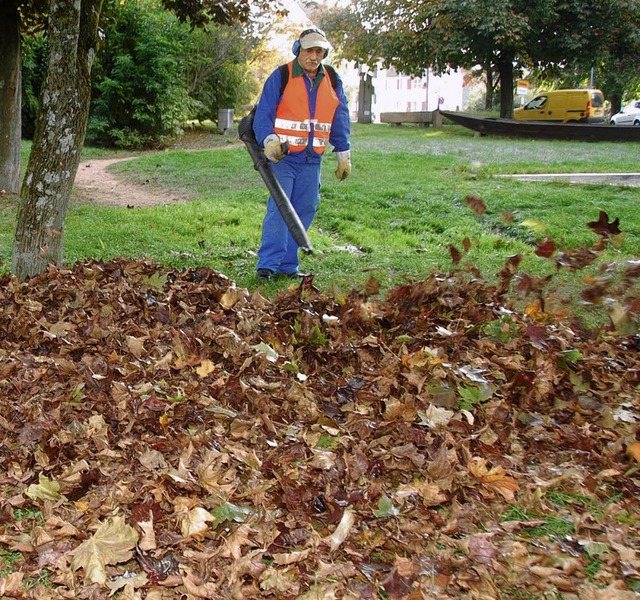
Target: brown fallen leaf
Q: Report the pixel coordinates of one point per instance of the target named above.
(633, 450)
(111, 544)
(495, 478)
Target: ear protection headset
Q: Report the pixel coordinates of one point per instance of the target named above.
(296, 45)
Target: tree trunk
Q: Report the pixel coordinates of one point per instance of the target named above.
(488, 97)
(505, 69)
(615, 99)
(10, 97)
(59, 136)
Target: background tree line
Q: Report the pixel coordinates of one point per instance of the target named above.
(556, 42)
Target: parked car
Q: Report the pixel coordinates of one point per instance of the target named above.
(565, 106)
(629, 115)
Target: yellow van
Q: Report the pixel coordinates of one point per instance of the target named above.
(565, 106)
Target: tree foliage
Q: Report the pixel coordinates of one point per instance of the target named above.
(217, 74)
(509, 37)
(33, 14)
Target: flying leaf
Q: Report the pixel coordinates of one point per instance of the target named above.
(435, 416)
(111, 544)
(545, 248)
(231, 512)
(510, 267)
(603, 227)
(623, 320)
(480, 549)
(231, 297)
(267, 351)
(534, 225)
(193, 524)
(372, 286)
(633, 450)
(507, 217)
(476, 204)
(576, 259)
(155, 281)
(456, 255)
(431, 494)
(135, 345)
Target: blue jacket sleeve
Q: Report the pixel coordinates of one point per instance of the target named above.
(265, 116)
(341, 126)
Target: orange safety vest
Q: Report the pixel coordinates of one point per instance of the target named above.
(294, 122)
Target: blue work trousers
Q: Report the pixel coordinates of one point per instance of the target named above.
(301, 182)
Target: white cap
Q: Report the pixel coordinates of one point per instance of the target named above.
(314, 38)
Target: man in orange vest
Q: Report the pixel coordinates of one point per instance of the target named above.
(303, 104)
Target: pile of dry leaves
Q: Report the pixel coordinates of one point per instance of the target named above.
(168, 435)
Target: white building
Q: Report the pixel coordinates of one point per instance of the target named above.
(396, 92)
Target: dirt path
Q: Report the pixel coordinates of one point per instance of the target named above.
(94, 183)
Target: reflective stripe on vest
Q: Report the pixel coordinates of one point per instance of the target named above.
(294, 122)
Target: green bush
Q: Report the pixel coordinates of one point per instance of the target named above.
(140, 98)
(34, 66)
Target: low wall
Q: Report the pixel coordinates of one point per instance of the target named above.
(423, 118)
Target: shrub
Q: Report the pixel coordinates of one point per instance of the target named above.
(140, 97)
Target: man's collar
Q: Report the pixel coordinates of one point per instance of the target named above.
(297, 69)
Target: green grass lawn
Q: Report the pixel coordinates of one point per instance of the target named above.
(393, 219)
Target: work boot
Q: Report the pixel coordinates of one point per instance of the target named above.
(264, 274)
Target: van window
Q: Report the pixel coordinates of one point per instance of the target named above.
(536, 103)
(597, 100)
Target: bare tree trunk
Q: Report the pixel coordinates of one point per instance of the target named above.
(616, 103)
(505, 69)
(488, 97)
(59, 136)
(10, 97)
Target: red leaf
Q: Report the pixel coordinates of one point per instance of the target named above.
(456, 255)
(507, 217)
(603, 227)
(545, 248)
(476, 204)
